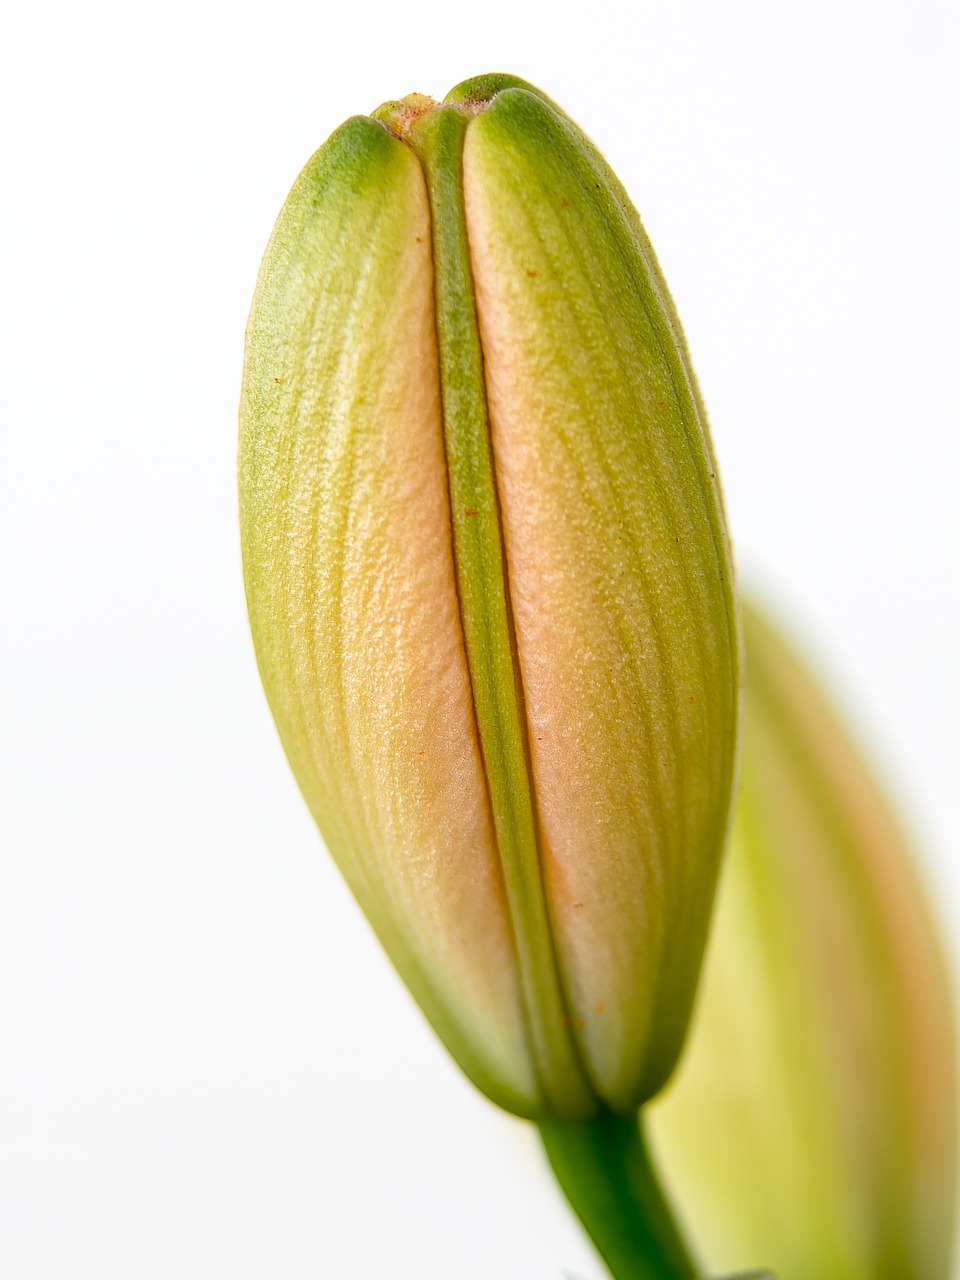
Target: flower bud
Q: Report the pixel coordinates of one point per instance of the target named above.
(490, 586)
(812, 1123)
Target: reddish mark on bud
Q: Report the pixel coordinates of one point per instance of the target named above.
(400, 117)
(565, 203)
(577, 904)
(531, 274)
(276, 379)
(578, 1023)
(598, 1007)
(419, 239)
(661, 403)
(691, 697)
(470, 511)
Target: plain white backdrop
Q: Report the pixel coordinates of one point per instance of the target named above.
(207, 1069)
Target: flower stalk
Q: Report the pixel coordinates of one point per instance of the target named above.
(603, 1165)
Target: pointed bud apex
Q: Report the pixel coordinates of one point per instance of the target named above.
(812, 1123)
(490, 585)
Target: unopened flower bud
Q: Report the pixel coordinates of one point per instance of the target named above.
(811, 1126)
(490, 585)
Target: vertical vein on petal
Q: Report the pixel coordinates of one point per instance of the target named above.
(485, 609)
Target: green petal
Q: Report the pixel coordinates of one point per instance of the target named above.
(812, 1125)
(619, 577)
(353, 601)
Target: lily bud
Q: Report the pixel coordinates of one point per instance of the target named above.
(490, 585)
(812, 1123)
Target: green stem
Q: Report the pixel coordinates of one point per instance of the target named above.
(604, 1168)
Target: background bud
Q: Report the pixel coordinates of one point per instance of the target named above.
(812, 1124)
(490, 585)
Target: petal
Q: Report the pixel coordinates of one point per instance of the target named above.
(350, 581)
(619, 581)
(812, 1125)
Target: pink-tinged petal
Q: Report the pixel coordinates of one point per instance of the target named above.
(351, 588)
(618, 574)
(812, 1126)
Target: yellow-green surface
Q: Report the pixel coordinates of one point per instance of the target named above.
(490, 585)
(811, 1127)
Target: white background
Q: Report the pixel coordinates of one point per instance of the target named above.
(207, 1069)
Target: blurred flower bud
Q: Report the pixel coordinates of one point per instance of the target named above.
(812, 1123)
(490, 585)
